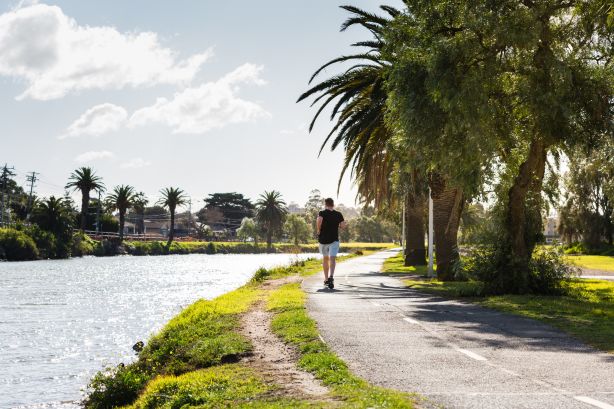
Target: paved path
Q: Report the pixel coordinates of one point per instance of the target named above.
(456, 354)
(597, 274)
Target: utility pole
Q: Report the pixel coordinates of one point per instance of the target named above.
(4, 178)
(30, 179)
(98, 214)
(430, 271)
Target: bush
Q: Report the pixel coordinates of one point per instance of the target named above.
(211, 248)
(82, 245)
(45, 241)
(117, 386)
(16, 245)
(547, 273)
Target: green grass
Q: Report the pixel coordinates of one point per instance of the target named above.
(396, 265)
(605, 263)
(587, 312)
(294, 326)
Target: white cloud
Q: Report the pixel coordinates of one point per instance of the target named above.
(56, 56)
(209, 106)
(301, 128)
(97, 120)
(93, 155)
(135, 163)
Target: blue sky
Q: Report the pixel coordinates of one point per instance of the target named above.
(195, 94)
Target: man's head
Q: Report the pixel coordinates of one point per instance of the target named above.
(328, 202)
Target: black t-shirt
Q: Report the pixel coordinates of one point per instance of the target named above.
(329, 231)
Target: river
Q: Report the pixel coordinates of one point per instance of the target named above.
(63, 320)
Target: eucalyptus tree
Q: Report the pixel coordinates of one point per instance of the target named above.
(85, 180)
(490, 89)
(297, 229)
(121, 199)
(357, 98)
(271, 213)
(172, 197)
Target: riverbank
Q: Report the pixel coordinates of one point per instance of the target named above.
(17, 245)
(218, 353)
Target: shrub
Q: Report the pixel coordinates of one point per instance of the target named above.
(16, 245)
(261, 275)
(82, 245)
(45, 241)
(547, 272)
(117, 386)
(211, 248)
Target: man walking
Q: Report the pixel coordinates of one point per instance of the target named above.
(329, 222)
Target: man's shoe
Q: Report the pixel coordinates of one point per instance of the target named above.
(331, 283)
(326, 282)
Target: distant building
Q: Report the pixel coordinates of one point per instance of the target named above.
(294, 208)
(551, 229)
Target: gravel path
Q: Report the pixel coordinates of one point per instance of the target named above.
(456, 354)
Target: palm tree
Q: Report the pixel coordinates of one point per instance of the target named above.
(53, 215)
(271, 213)
(360, 113)
(139, 203)
(85, 180)
(121, 199)
(171, 198)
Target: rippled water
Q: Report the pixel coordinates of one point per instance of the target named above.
(61, 321)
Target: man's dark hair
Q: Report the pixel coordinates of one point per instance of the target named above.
(329, 202)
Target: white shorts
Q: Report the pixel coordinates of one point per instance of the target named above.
(330, 249)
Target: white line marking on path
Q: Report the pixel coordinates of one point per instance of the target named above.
(411, 321)
(594, 402)
(472, 355)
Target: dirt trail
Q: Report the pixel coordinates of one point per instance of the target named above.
(273, 358)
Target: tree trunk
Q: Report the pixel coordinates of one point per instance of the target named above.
(523, 219)
(122, 222)
(85, 203)
(171, 232)
(415, 251)
(448, 205)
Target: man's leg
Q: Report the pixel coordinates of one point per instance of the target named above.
(332, 263)
(325, 267)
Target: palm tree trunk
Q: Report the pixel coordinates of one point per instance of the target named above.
(122, 223)
(171, 232)
(269, 238)
(448, 204)
(415, 251)
(85, 203)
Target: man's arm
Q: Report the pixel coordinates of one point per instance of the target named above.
(319, 224)
(343, 225)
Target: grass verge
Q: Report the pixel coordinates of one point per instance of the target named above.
(292, 323)
(604, 263)
(586, 312)
(396, 265)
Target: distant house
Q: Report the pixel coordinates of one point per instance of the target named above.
(551, 229)
(156, 228)
(294, 208)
